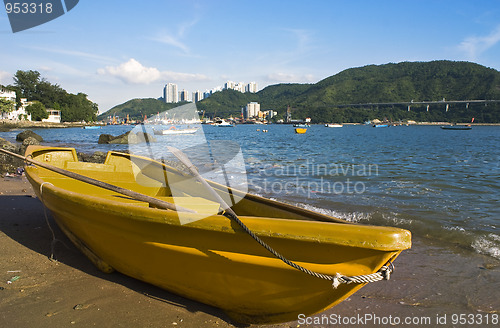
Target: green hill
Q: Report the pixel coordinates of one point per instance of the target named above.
(137, 108)
(402, 82)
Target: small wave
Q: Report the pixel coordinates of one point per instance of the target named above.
(393, 218)
(488, 245)
(350, 217)
(455, 228)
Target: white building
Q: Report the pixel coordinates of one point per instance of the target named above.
(16, 113)
(197, 96)
(270, 113)
(251, 87)
(229, 85)
(20, 113)
(54, 116)
(7, 94)
(252, 109)
(184, 95)
(240, 86)
(170, 93)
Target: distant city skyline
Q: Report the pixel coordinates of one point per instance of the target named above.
(171, 93)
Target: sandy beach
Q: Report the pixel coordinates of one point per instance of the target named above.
(432, 285)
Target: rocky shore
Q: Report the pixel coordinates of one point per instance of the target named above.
(13, 165)
(7, 125)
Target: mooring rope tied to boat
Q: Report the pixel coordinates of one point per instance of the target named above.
(383, 274)
(54, 239)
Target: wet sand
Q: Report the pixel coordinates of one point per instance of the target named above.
(432, 284)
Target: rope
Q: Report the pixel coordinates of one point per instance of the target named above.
(54, 239)
(383, 274)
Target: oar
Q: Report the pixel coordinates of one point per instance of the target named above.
(135, 195)
(185, 160)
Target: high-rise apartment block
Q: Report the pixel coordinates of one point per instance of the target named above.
(252, 109)
(170, 93)
(197, 96)
(241, 87)
(251, 87)
(184, 95)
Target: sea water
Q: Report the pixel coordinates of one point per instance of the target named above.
(442, 185)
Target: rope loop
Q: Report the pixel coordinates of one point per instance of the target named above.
(41, 187)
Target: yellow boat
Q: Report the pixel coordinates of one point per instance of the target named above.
(211, 259)
(300, 130)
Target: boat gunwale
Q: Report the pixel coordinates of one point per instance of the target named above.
(219, 223)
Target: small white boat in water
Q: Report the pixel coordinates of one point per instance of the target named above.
(174, 130)
(332, 125)
(224, 124)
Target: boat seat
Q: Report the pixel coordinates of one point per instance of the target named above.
(198, 204)
(72, 165)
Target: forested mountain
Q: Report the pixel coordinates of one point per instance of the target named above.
(138, 108)
(402, 82)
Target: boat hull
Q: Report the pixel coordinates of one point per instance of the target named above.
(457, 127)
(211, 259)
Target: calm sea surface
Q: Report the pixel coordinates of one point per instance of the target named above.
(440, 184)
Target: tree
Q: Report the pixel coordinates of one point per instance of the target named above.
(6, 105)
(77, 107)
(37, 111)
(27, 82)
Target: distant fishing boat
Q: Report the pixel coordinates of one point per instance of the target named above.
(300, 130)
(301, 125)
(332, 125)
(173, 130)
(456, 127)
(92, 127)
(381, 125)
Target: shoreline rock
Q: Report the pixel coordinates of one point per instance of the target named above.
(126, 138)
(28, 134)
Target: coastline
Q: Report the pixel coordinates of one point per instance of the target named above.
(6, 125)
(431, 281)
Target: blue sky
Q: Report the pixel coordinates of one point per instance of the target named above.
(118, 50)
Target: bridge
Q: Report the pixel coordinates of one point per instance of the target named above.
(426, 103)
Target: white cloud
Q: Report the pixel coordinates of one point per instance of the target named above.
(175, 39)
(290, 77)
(474, 46)
(74, 53)
(172, 41)
(133, 72)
